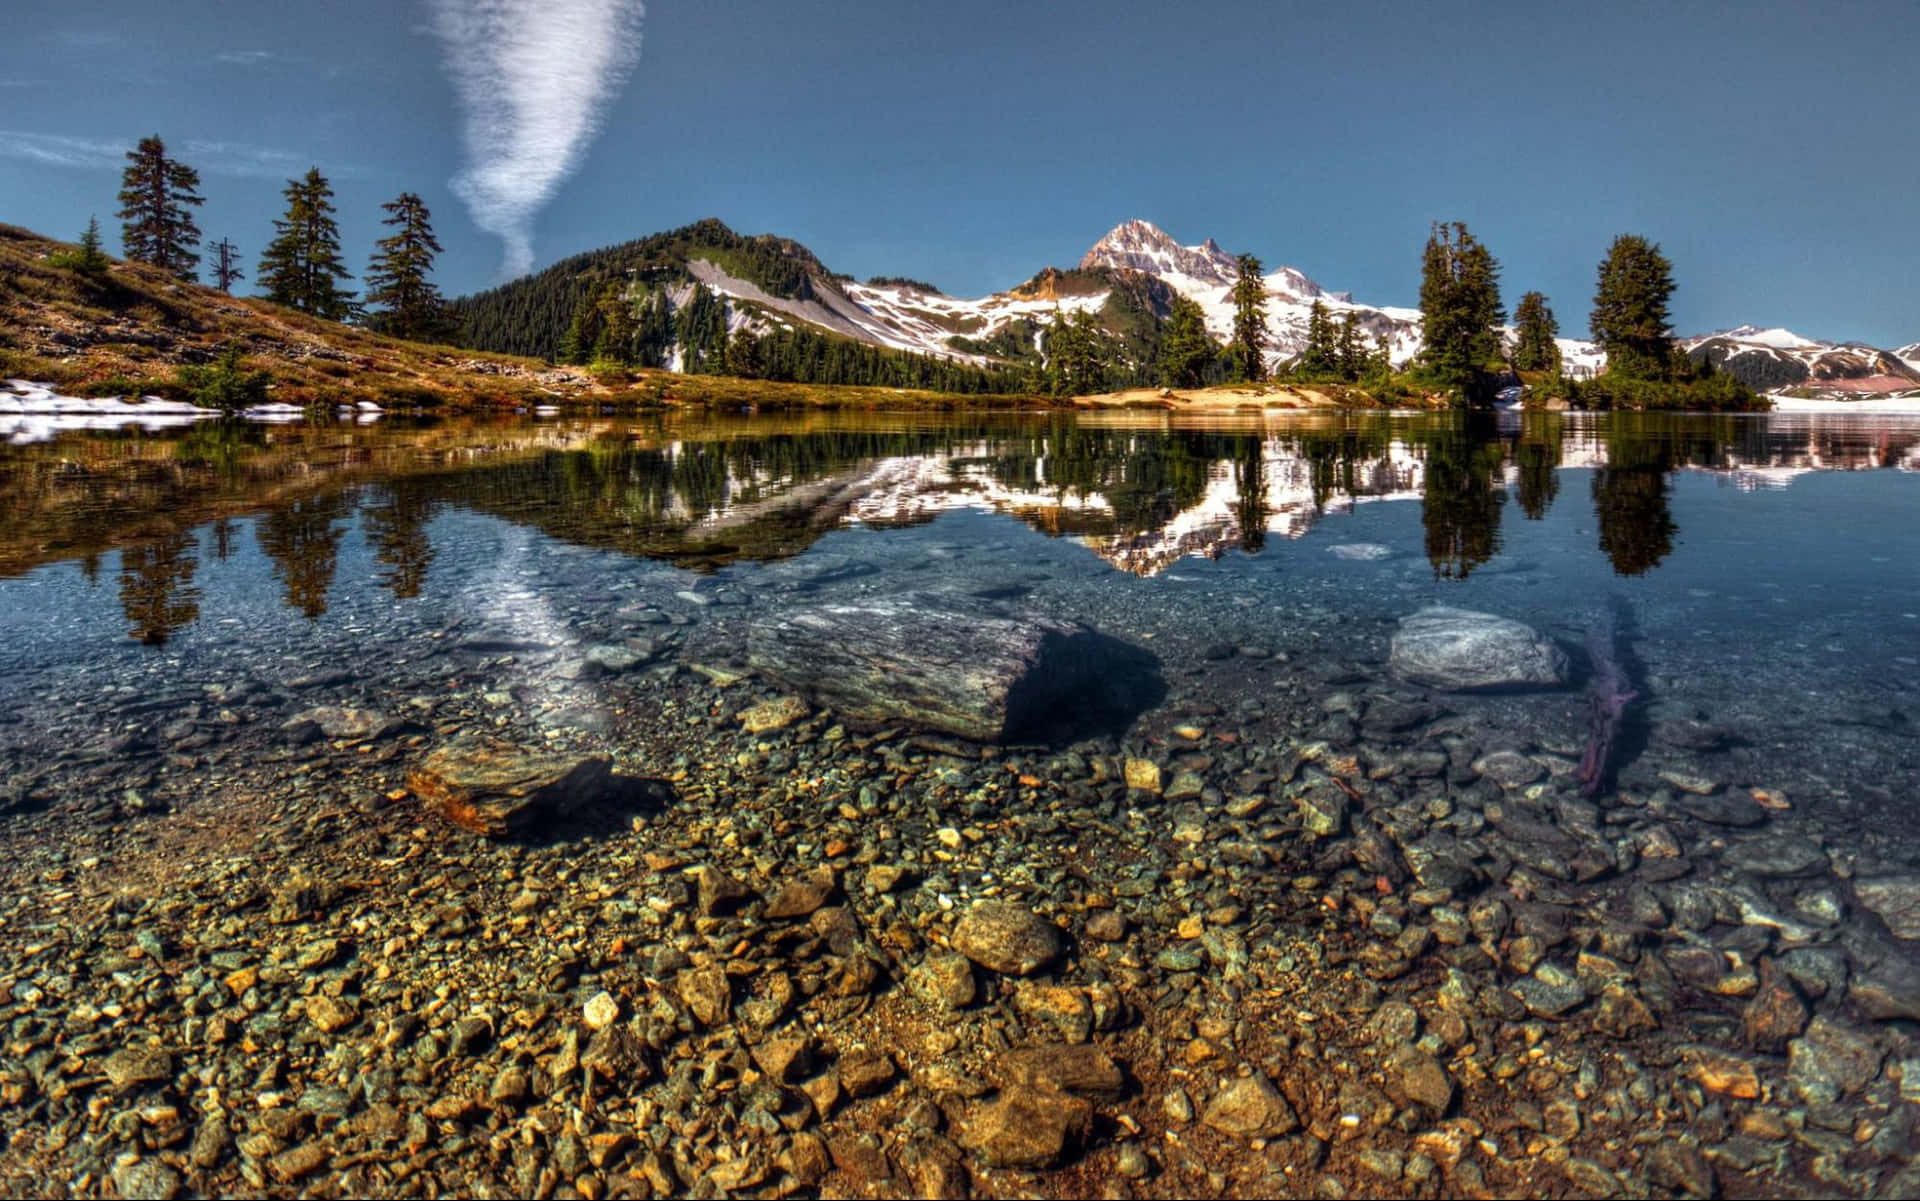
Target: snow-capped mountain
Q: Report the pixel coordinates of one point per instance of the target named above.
(1779, 360)
(1126, 279)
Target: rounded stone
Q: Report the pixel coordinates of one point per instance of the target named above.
(1007, 938)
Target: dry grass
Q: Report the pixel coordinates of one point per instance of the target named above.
(132, 330)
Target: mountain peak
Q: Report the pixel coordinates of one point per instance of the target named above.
(1143, 246)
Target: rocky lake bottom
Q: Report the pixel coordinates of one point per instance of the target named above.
(1289, 914)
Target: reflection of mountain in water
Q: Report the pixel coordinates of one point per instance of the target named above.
(1142, 493)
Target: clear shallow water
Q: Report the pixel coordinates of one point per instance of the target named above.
(170, 607)
(1768, 567)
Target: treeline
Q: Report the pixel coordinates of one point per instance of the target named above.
(702, 335)
(532, 316)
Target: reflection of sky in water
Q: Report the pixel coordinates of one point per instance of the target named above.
(1766, 536)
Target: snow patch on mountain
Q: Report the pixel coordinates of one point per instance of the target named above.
(922, 320)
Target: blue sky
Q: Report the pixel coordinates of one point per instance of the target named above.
(1768, 147)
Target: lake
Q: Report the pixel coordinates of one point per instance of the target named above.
(1247, 904)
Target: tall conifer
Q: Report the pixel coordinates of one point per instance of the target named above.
(1629, 318)
(157, 195)
(1460, 311)
(1534, 348)
(397, 276)
(1249, 322)
(302, 267)
(1186, 348)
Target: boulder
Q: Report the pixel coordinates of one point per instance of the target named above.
(1460, 650)
(500, 790)
(945, 664)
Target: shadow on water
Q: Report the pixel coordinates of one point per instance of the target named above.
(611, 813)
(1098, 686)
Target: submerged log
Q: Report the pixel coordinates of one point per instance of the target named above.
(1609, 692)
(940, 663)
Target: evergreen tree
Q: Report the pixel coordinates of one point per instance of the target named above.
(156, 196)
(89, 260)
(1322, 353)
(302, 266)
(1351, 350)
(701, 329)
(397, 275)
(1629, 318)
(226, 265)
(1186, 348)
(654, 337)
(1534, 348)
(1460, 311)
(618, 326)
(583, 332)
(1249, 322)
(1074, 360)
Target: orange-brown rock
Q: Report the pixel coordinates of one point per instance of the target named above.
(500, 790)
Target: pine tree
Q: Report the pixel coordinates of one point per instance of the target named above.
(1629, 318)
(301, 266)
(397, 275)
(88, 259)
(1186, 348)
(226, 265)
(1321, 356)
(583, 333)
(1460, 311)
(1075, 365)
(1534, 348)
(156, 194)
(1249, 322)
(1352, 351)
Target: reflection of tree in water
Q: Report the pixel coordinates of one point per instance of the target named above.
(394, 520)
(1460, 507)
(1250, 496)
(1630, 500)
(1538, 459)
(223, 531)
(303, 541)
(156, 586)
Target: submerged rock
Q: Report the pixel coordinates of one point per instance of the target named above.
(1006, 938)
(935, 662)
(1460, 650)
(496, 789)
(1028, 1126)
(1250, 1107)
(1895, 898)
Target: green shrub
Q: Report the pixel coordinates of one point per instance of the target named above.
(225, 384)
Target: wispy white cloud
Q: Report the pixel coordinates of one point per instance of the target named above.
(244, 58)
(534, 78)
(215, 158)
(55, 150)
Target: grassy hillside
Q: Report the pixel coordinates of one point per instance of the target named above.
(132, 329)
